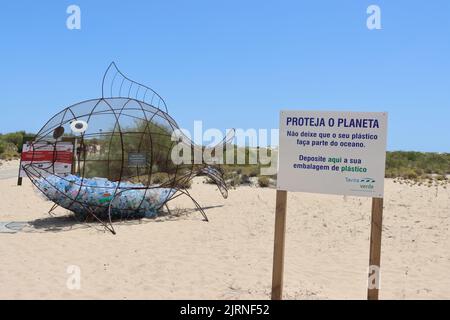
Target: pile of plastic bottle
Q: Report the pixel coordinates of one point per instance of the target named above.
(84, 196)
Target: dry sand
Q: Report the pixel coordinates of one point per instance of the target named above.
(231, 256)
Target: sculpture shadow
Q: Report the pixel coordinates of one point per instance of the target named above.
(70, 222)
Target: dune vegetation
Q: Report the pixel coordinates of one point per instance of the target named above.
(11, 145)
(420, 167)
(404, 166)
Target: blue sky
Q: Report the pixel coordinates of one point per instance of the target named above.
(236, 63)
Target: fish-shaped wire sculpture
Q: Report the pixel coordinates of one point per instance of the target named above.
(122, 166)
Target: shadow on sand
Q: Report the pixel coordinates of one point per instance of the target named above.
(70, 222)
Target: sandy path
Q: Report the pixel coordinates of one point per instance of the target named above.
(231, 256)
(9, 170)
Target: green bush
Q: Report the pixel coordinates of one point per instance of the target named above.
(391, 173)
(250, 171)
(8, 151)
(414, 165)
(11, 144)
(263, 181)
(159, 177)
(245, 179)
(186, 184)
(2, 147)
(16, 138)
(235, 180)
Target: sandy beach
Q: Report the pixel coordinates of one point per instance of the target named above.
(230, 257)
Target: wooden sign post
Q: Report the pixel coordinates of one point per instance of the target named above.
(25, 139)
(341, 153)
(278, 247)
(375, 248)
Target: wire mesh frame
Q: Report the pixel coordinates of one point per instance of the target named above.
(149, 141)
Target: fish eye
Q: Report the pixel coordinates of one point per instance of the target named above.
(58, 132)
(79, 126)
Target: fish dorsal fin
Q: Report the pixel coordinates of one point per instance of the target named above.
(117, 85)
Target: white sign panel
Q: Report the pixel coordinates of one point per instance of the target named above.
(340, 153)
(54, 160)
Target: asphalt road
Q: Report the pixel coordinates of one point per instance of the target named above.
(8, 172)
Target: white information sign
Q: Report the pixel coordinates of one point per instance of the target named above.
(341, 153)
(54, 160)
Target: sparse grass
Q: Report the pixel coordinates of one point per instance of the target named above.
(186, 184)
(9, 156)
(263, 181)
(233, 179)
(422, 168)
(159, 177)
(8, 151)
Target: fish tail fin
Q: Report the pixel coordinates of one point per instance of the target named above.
(213, 171)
